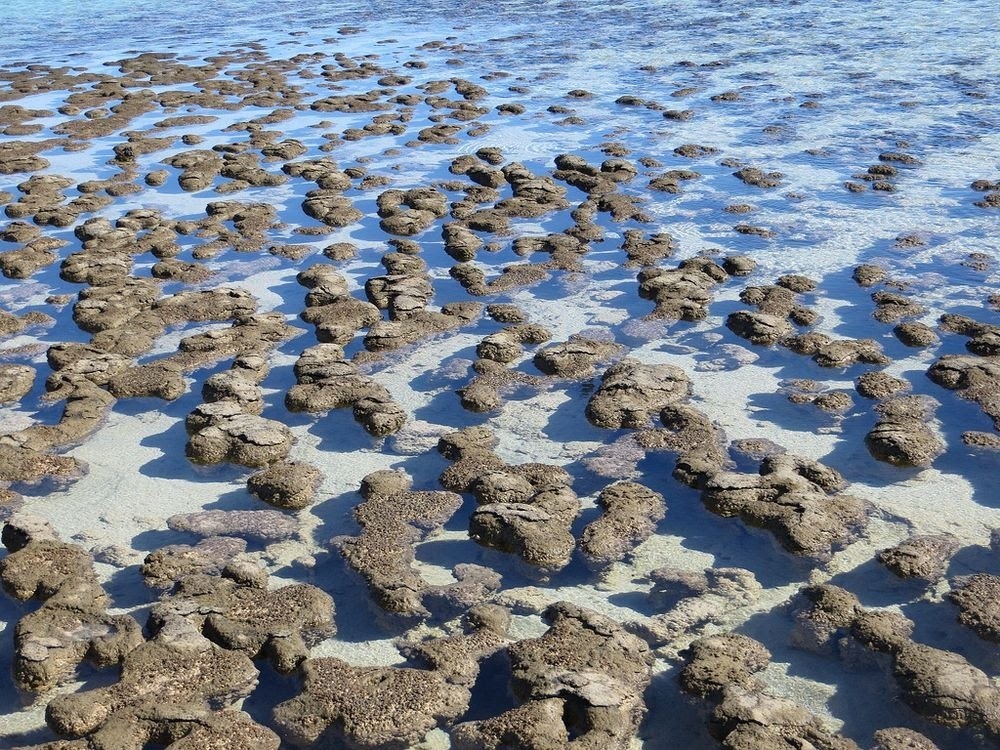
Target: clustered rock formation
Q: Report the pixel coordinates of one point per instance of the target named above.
(157, 307)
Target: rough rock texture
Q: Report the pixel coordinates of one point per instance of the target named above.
(631, 512)
(327, 381)
(940, 685)
(684, 292)
(720, 661)
(72, 623)
(575, 358)
(975, 378)
(978, 599)
(796, 499)
(279, 624)
(289, 485)
(15, 382)
(390, 707)
(630, 392)
(255, 525)
(902, 436)
(163, 567)
(393, 519)
(581, 685)
(829, 352)
(924, 556)
(245, 439)
(699, 444)
(179, 670)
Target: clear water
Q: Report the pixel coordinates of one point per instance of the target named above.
(920, 77)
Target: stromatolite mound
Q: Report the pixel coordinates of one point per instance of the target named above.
(901, 738)
(631, 391)
(631, 512)
(245, 439)
(879, 385)
(830, 352)
(974, 378)
(279, 624)
(940, 685)
(902, 436)
(925, 556)
(721, 669)
(722, 660)
(15, 382)
(257, 525)
(289, 485)
(178, 670)
(692, 602)
(527, 510)
(575, 358)
(697, 441)
(394, 518)
(163, 567)
(583, 679)
(384, 708)
(392, 707)
(72, 623)
(978, 599)
(796, 499)
(682, 293)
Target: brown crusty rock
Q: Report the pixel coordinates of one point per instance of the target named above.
(796, 499)
(901, 436)
(978, 599)
(631, 512)
(631, 391)
(394, 518)
(245, 439)
(289, 485)
(923, 556)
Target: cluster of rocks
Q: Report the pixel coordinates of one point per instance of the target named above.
(326, 380)
(942, 686)
(394, 518)
(524, 509)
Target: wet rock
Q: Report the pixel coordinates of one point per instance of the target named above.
(794, 498)
(901, 738)
(330, 207)
(867, 274)
(583, 679)
(279, 624)
(692, 603)
(916, 335)
(244, 439)
(830, 352)
(758, 327)
(758, 178)
(256, 525)
(163, 567)
(631, 512)
(177, 671)
(412, 211)
(978, 600)
(393, 519)
(975, 378)
(750, 719)
(71, 624)
(328, 381)
(902, 436)
(533, 521)
(230, 385)
(891, 307)
(719, 661)
(15, 382)
(163, 380)
(388, 335)
(684, 292)
(289, 485)
(575, 358)
(631, 391)
(19, 463)
(739, 265)
(699, 444)
(879, 385)
(924, 556)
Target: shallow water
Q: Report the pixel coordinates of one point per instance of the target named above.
(823, 89)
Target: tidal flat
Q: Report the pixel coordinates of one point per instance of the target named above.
(536, 375)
